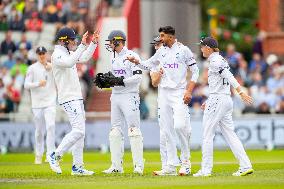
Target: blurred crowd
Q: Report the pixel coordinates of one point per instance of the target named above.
(15, 59)
(29, 15)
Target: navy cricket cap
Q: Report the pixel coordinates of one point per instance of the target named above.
(65, 33)
(156, 40)
(41, 50)
(116, 35)
(209, 42)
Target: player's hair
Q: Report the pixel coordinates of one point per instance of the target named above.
(167, 30)
(216, 50)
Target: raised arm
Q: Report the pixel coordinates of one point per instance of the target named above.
(137, 74)
(68, 61)
(88, 54)
(147, 64)
(73, 58)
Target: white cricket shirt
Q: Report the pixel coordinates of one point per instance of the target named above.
(174, 61)
(132, 74)
(65, 70)
(41, 97)
(219, 76)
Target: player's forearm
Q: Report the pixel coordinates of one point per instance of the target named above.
(70, 61)
(144, 65)
(133, 79)
(190, 86)
(239, 90)
(88, 53)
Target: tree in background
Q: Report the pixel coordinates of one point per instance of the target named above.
(237, 22)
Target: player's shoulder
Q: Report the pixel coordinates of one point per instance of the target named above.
(56, 52)
(184, 48)
(33, 66)
(218, 61)
(59, 50)
(161, 51)
(131, 53)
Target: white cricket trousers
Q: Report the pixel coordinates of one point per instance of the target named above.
(44, 119)
(218, 113)
(174, 121)
(125, 110)
(75, 139)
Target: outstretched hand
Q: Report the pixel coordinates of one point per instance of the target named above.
(246, 98)
(132, 59)
(95, 37)
(84, 38)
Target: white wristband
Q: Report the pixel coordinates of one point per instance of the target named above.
(241, 92)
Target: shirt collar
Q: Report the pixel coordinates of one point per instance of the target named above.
(213, 55)
(175, 44)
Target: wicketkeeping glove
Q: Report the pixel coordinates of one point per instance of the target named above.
(108, 80)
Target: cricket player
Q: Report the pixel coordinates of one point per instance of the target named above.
(125, 106)
(64, 58)
(156, 75)
(218, 110)
(174, 95)
(39, 80)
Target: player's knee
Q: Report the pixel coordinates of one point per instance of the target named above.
(115, 132)
(39, 133)
(180, 128)
(134, 132)
(78, 133)
(50, 127)
(207, 140)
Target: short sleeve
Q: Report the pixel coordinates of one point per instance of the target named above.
(189, 57)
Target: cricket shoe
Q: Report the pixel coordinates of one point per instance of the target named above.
(112, 170)
(54, 163)
(184, 170)
(243, 172)
(167, 171)
(138, 170)
(79, 170)
(200, 173)
(38, 160)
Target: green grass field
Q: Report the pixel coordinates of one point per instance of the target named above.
(18, 171)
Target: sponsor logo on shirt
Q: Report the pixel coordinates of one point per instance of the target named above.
(120, 72)
(173, 65)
